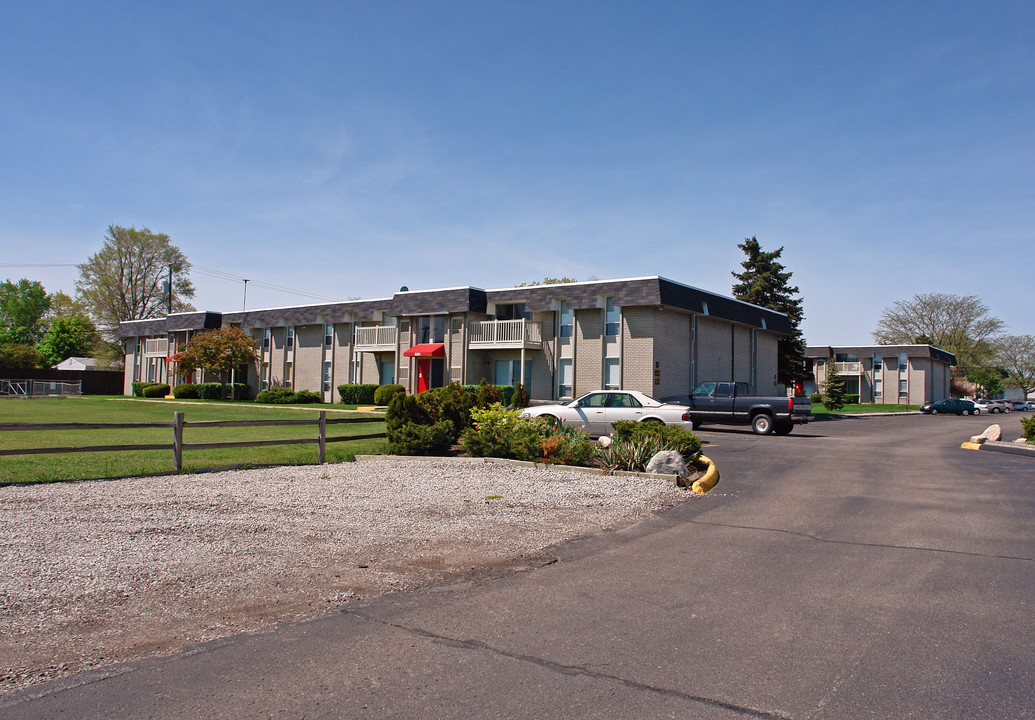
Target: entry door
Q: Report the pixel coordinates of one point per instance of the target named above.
(423, 375)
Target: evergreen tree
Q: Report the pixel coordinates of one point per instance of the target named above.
(765, 282)
(833, 388)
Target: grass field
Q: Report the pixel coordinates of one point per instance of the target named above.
(107, 409)
(818, 409)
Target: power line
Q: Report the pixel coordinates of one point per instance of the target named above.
(21, 265)
(223, 275)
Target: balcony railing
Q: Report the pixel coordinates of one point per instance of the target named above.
(850, 368)
(156, 347)
(380, 337)
(506, 334)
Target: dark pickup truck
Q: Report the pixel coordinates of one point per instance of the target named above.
(736, 402)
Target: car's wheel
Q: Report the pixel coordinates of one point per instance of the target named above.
(966, 412)
(934, 411)
(696, 424)
(783, 428)
(762, 424)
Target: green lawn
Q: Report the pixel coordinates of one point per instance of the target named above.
(107, 409)
(819, 409)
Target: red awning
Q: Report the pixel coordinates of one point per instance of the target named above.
(175, 357)
(428, 350)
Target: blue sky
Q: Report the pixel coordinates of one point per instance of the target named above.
(346, 149)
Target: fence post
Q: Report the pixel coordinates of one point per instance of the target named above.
(323, 437)
(178, 440)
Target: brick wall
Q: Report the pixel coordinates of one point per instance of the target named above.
(714, 339)
(638, 349)
(589, 351)
(671, 353)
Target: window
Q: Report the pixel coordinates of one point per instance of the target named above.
(612, 375)
(878, 387)
(512, 311)
(567, 320)
(431, 329)
(594, 400)
(327, 376)
(266, 333)
(290, 341)
(903, 387)
(328, 335)
(508, 372)
(564, 377)
(612, 317)
(903, 363)
(878, 363)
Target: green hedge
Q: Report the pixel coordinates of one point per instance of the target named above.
(210, 391)
(357, 394)
(155, 390)
(287, 396)
(384, 394)
(138, 388)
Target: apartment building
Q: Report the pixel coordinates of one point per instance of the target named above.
(649, 334)
(890, 374)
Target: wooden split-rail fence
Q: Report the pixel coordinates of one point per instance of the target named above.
(178, 445)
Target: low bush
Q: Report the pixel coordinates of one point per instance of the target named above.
(632, 453)
(357, 394)
(384, 394)
(501, 432)
(488, 394)
(414, 430)
(307, 397)
(672, 437)
(276, 396)
(186, 391)
(851, 399)
(155, 390)
(138, 388)
(816, 398)
(1028, 425)
(520, 399)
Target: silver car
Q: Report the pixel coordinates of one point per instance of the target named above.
(595, 411)
(996, 406)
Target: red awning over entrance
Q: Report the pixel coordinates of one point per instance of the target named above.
(429, 350)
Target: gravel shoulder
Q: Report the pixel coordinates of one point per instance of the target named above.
(100, 572)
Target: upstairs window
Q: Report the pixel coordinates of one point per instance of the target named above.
(290, 342)
(328, 335)
(612, 317)
(567, 319)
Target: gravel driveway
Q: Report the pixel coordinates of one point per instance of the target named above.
(106, 571)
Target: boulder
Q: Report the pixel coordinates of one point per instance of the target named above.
(993, 433)
(668, 462)
(604, 441)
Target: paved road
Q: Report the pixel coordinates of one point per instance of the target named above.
(864, 568)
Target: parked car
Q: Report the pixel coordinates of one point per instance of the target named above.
(720, 401)
(995, 406)
(957, 406)
(1021, 405)
(595, 411)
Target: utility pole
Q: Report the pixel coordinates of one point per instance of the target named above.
(244, 305)
(170, 289)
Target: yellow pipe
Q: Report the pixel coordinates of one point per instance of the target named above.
(707, 481)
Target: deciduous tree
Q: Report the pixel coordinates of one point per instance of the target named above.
(765, 282)
(960, 324)
(218, 351)
(124, 280)
(1016, 355)
(67, 337)
(23, 306)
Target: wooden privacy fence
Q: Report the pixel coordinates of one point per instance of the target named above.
(178, 446)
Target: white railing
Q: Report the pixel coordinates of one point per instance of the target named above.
(157, 346)
(378, 336)
(506, 332)
(850, 368)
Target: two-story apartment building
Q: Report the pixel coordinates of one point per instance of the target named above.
(890, 374)
(649, 334)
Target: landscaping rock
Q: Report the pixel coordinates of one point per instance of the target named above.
(604, 441)
(668, 462)
(992, 433)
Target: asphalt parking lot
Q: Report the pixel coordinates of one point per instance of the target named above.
(862, 568)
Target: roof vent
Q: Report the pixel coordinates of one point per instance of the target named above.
(404, 289)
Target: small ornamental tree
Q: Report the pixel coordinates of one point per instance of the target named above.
(988, 379)
(833, 388)
(67, 337)
(219, 351)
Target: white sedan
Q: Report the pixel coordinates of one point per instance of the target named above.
(594, 412)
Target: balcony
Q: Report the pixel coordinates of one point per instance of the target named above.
(156, 347)
(506, 335)
(381, 338)
(849, 368)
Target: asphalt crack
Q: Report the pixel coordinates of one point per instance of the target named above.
(569, 670)
(856, 543)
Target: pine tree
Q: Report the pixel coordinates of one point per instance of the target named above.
(833, 388)
(765, 282)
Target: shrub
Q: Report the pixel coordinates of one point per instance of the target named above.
(276, 396)
(851, 399)
(1028, 424)
(505, 394)
(307, 397)
(451, 403)
(498, 432)
(155, 390)
(672, 437)
(187, 391)
(357, 394)
(384, 394)
(567, 446)
(816, 398)
(138, 388)
(413, 430)
(632, 453)
(487, 394)
(520, 399)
